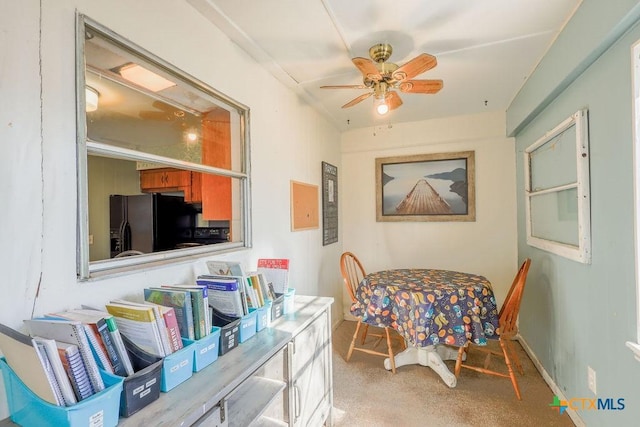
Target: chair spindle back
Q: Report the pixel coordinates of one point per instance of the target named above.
(352, 273)
(509, 312)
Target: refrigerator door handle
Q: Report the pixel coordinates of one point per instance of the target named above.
(125, 238)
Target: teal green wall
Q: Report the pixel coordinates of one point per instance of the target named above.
(575, 315)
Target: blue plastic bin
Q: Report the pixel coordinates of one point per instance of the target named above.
(262, 317)
(248, 325)
(206, 349)
(27, 409)
(178, 367)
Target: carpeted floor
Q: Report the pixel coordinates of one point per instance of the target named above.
(365, 394)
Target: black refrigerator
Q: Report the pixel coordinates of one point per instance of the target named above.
(148, 222)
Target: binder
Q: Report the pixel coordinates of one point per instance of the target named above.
(72, 332)
(74, 366)
(23, 359)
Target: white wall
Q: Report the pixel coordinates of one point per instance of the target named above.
(38, 163)
(487, 246)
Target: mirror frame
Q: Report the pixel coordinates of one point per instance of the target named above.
(87, 269)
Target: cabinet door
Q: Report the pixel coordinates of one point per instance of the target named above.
(311, 382)
(216, 151)
(165, 178)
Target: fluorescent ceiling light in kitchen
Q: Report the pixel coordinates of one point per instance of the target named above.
(145, 78)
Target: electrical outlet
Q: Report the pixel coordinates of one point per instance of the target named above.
(91, 239)
(591, 379)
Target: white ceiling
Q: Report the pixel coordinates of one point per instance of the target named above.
(485, 49)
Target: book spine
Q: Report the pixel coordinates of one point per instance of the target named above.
(122, 351)
(162, 331)
(205, 310)
(110, 347)
(199, 324)
(97, 348)
(119, 344)
(173, 329)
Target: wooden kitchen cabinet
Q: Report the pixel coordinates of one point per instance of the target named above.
(170, 179)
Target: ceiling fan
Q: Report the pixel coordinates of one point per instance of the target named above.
(381, 77)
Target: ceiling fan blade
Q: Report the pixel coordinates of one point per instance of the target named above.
(367, 68)
(345, 87)
(421, 86)
(393, 100)
(357, 100)
(417, 65)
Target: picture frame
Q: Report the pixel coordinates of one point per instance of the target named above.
(426, 187)
(329, 204)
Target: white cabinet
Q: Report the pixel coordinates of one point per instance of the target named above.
(282, 376)
(310, 370)
(310, 376)
(259, 400)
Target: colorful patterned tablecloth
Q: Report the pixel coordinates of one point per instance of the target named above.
(429, 307)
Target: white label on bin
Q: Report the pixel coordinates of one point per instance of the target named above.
(138, 390)
(151, 382)
(143, 394)
(203, 350)
(184, 362)
(97, 419)
(174, 368)
(211, 346)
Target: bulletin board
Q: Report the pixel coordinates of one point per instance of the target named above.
(304, 206)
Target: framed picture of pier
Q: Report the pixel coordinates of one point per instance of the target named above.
(426, 187)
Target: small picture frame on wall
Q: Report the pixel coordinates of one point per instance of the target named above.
(426, 187)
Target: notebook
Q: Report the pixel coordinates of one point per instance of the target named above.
(69, 331)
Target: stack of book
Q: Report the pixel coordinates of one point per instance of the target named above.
(152, 327)
(56, 362)
(232, 292)
(190, 304)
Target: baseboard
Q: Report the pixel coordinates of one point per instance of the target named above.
(547, 378)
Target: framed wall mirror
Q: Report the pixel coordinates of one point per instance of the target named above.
(163, 167)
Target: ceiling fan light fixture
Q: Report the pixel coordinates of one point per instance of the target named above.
(91, 99)
(381, 106)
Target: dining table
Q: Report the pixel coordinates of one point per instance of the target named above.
(433, 310)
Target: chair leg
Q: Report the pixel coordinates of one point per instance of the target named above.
(512, 374)
(461, 352)
(513, 353)
(392, 359)
(364, 333)
(353, 340)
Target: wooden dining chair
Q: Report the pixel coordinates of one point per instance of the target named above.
(352, 274)
(508, 317)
